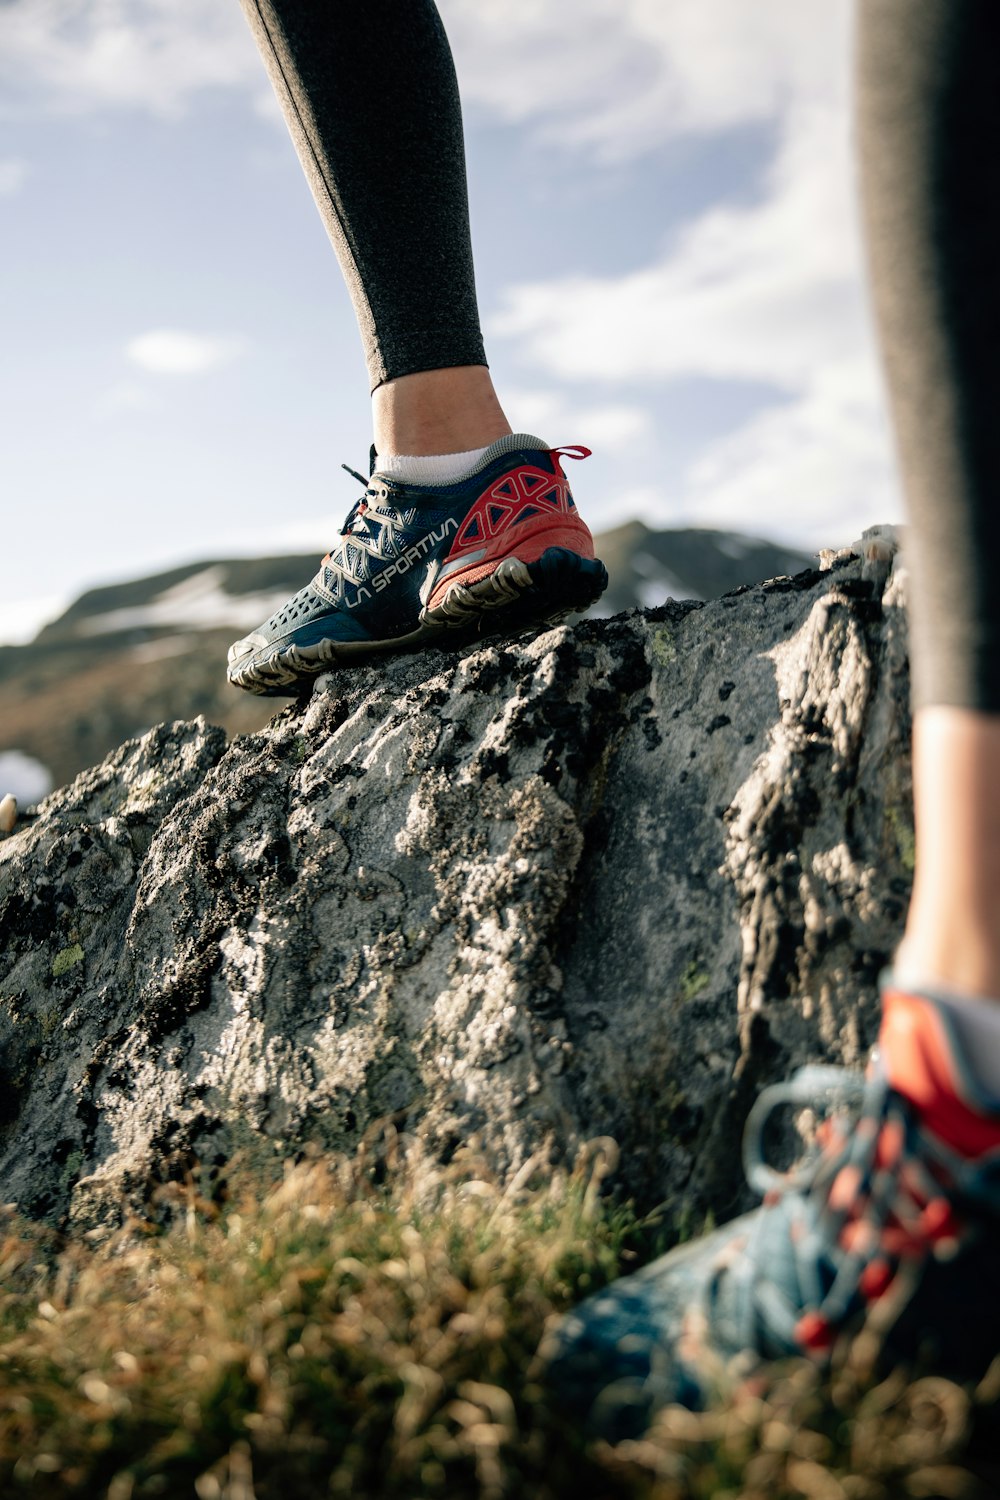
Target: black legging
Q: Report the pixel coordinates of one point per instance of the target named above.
(369, 93)
(369, 90)
(929, 137)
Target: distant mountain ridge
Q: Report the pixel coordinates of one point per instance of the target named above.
(646, 567)
(229, 587)
(126, 656)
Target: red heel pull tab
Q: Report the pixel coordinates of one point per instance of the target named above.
(576, 451)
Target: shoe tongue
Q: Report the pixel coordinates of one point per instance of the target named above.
(923, 1053)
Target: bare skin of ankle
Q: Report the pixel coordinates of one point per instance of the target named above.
(953, 928)
(438, 411)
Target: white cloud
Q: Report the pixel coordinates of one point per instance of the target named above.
(813, 471)
(171, 351)
(555, 416)
(76, 55)
(759, 293)
(266, 107)
(621, 76)
(12, 175)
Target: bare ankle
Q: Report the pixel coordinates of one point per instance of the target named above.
(438, 411)
(953, 928)
(964, 966)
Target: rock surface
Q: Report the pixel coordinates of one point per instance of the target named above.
(608, 880)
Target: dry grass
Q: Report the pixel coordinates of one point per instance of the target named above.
(366, 1328)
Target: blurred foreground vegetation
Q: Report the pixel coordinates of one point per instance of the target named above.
(367, 1328)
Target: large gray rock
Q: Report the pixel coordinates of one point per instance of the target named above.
(606, 881)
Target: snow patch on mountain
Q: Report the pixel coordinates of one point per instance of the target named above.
(199, 602)
(656, 583)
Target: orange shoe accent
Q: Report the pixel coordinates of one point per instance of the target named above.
(523, 513)
(528, 546)
(876, 1279)
(917, 1056)
(814, 1333)
(845, 1188)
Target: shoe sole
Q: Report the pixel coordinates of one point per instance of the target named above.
(515, 596)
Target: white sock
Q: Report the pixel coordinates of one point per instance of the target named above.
(432, 468)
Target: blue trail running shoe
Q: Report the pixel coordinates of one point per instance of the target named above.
(500, 549)
(894, 1224)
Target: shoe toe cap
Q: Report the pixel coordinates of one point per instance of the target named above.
(246, 647)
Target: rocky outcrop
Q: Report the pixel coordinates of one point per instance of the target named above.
(603, 881)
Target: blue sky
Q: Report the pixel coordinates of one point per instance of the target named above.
(667, 258)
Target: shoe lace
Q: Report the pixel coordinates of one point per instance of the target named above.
(872, 1200)
(367, 525)
(834, 1088)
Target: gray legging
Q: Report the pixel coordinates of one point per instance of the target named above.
(368, 88)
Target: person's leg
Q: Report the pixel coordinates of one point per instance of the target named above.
(898, 1220)
(929, 114)
(369, 93)
(464, 526)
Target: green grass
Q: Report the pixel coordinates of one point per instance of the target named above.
(367, 1328)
